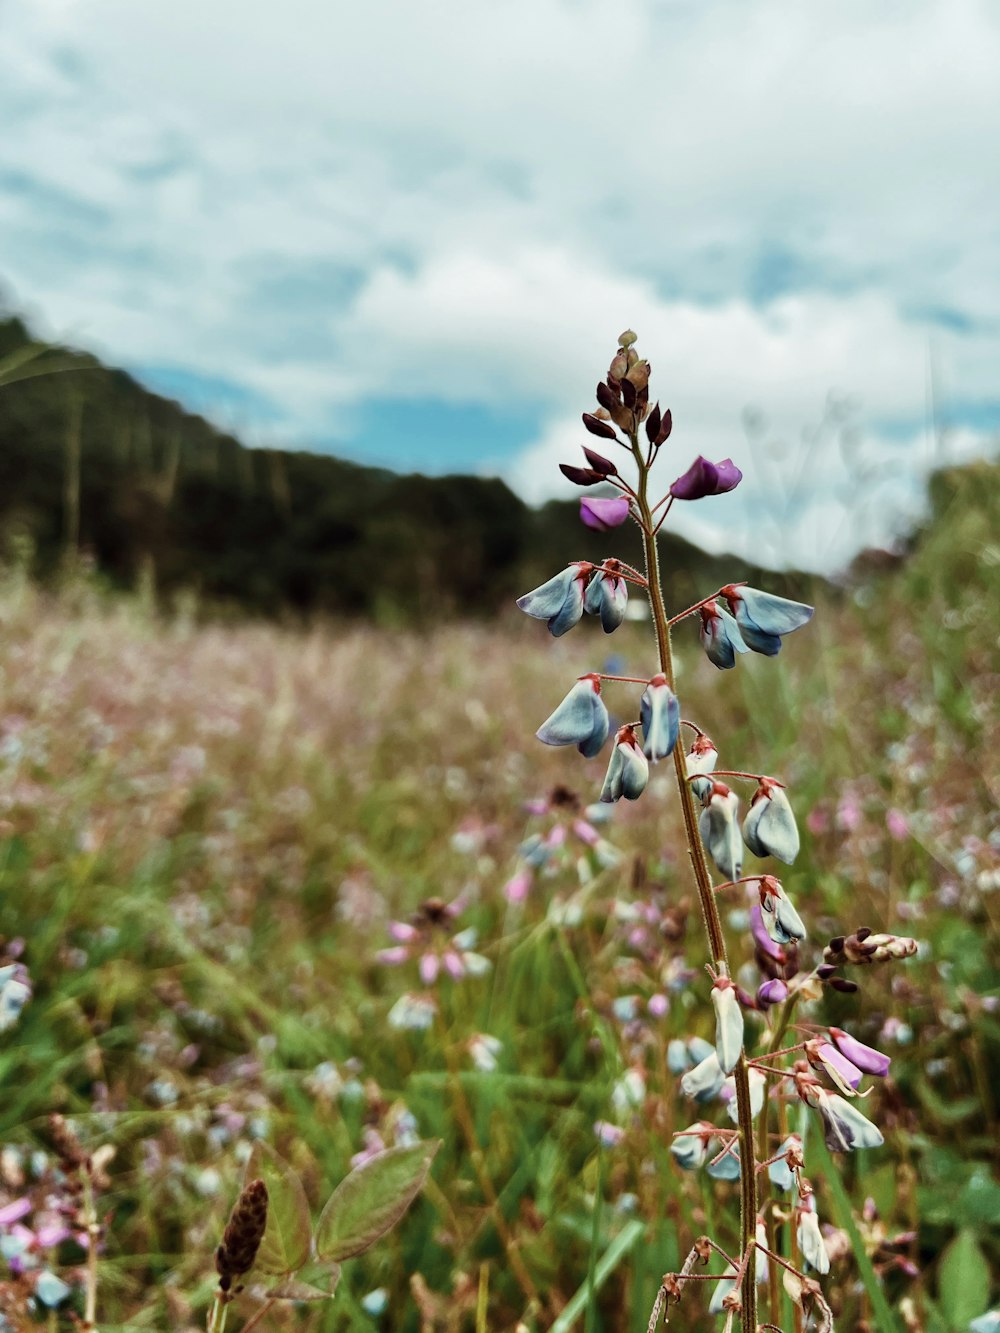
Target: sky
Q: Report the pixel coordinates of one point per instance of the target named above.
(410, 234)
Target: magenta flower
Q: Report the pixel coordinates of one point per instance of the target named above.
(603, 513)
(771, 992)
(704, 478)
(865, 1058)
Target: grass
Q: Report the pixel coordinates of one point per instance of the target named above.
(205, 831)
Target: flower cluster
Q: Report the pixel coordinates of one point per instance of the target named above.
(429, 938)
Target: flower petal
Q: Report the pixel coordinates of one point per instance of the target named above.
(604, 513)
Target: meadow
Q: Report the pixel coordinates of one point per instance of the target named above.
(208, 829)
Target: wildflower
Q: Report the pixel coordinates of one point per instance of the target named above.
(771, 992)
(823, 1055)
(865, 1058)
(559, 602)
(844, 1126)
(719, 830)
(581, 719)
(705, 1080)
(701, 758)
(690, 1148)
(602, 514)
(518, 886)
(607, 596)
(725, 1290)
(660, 714)
(720, 636)
(769, 828)
(810, 1238)
(758, 1086)
(763, 618)
(628, 771)
(51, 1290)
(704, 478)
(769, 951)
(728, 1165)
(781, 921)
(728, 1024)
(780, 1170)
(413, 1013)
(608, 1134)
(678, 1059)
(485, 1052)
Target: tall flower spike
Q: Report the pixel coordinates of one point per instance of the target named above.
(720, 636)
(769, 828)
(628, 771)
(728, 1024)
(581, 719)
(764, 618)
(702, 758)
(661, 718)
(720, 830)
(559, 602)
(607, 596)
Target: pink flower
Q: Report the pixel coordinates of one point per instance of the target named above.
(603, 513)
(896, 823)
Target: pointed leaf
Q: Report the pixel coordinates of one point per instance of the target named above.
(963, 1280)
(371, 1200)
(286, 1242)
(293, 1289)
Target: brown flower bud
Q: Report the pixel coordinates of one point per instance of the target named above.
(599, 463)
(618, 367)
(598, 427)
(653, 424)
(581, 476)
(71, 1155)
(666, 425)
(243, 1234)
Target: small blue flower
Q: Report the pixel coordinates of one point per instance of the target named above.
(628, 771)
(51, 1290)
(581, 719)
(779, 1172)
(781, 921)
(559, 602)
(660, 714)
(728, 1024)
(764, 618)
(769, 828)
(705, 1080)
(678, 1059)
(690, 1148)
(720, 830)
(725, 1288)
(721, 637)
(845, 1128)
(701, 758)
(607, 596)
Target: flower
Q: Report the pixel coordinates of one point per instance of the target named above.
(724, 1289)
(429, 938)
(844, 1126)
(771, 992)
(704, 478)
(603, 513)
(728, 1024)
(780, 1170)
(810, 1238)
(704, 1081)
(559, 602)
(823, 1055)
(719, 830)
(769, 828)
(701, 758)
(690, 1147)
(660, 714)
(728, 1165)
(720, 636)
(763, 618)
(628, 771)
(15, 992)
(758, 1086)
(781, 921)
(581, 719)
(607, 596)
(863, 1057)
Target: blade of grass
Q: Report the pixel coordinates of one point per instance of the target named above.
(609, 1261)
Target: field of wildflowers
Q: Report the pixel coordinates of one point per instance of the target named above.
(323, 891)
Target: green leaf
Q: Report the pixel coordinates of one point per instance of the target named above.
(630, 1233)
(293, 1289)
(963, 1280)
(288, 1234)
(371, 1200)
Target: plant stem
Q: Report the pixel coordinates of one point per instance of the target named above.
(706, 896)
(93, 1234)
(255, 1320)
(218, 1314)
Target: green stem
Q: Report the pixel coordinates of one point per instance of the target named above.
(218, 1314)
(706, 896)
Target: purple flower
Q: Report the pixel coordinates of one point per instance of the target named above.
(772, 992)
(824, 1056)
(769, 828)
(604, 513)
(762, 938)
(661, 718)
(607, 596)
(866, 1058)
(559, 602)
(764, 618)
(845, 1128)
(581, 719)
(704, 478)
(720, 636)
(628, 771)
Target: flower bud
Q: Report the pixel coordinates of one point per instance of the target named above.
(758, 1087)
(810, 1238)
(690, 1149)
(559, 602)
(725, 1291)
(763, 618)
(628, 771)
(865, 1058)
(781, 921)
(653, 422)
(727, 1167)
(789, 1155)
(769, 828)
(660, 714)
(720, 831)
(580, 476)
(720, 636)
(604, 513)
(864, 948)
(581, 719)
(599, 428)
(607, 596)
(771, 992)
(704, 1081)
(704, 478)
(728, 1024)
(599, 463)
(701, 758)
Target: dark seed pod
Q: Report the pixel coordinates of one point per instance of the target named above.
(845, 986)
(653, 424)
(581, 476)
(607, 397)
(598, 427)
(243, 1235)
(666, 426)
(599, 463)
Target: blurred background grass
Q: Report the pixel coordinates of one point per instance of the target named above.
(205, 828)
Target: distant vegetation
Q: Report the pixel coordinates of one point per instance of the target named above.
(93, 463)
